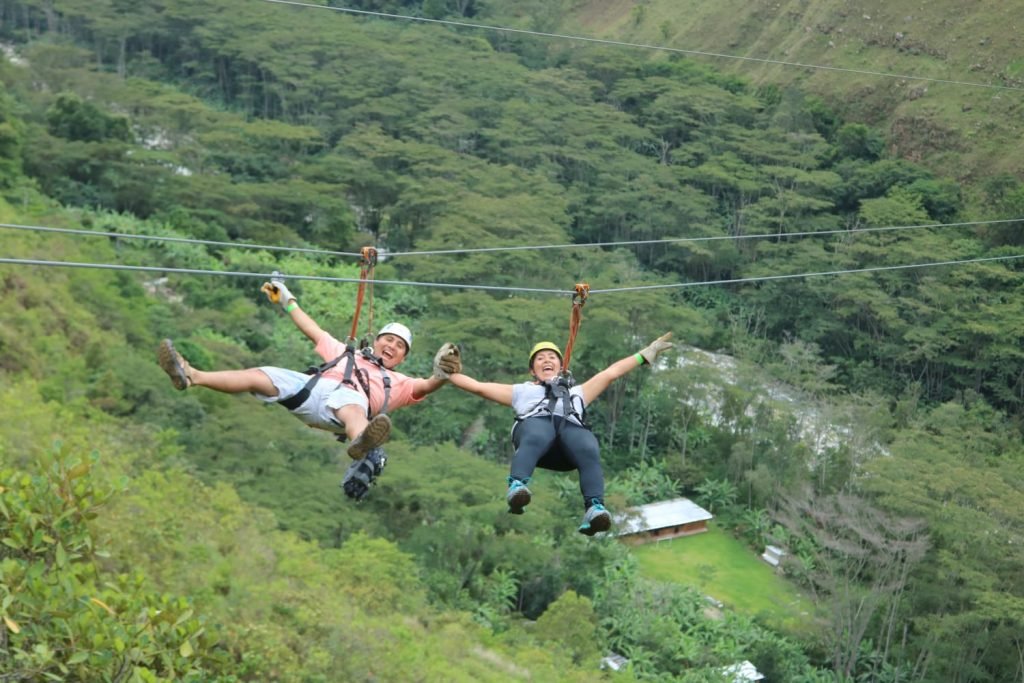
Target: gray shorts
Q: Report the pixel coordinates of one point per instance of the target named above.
(318, 410)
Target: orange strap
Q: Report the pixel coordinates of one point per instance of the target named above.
(366, 266)
(575, 318)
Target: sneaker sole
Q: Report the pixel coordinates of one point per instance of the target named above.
(375, 434)
(602, 522)
(168, 359)
(519, 500)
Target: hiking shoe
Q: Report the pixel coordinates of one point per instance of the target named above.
(375, 434)
(361, 474)
(176, 367)
(596, 519)
(518, 496)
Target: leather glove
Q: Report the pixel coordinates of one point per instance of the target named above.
(447, 361)
(656, 347)
(277, 293)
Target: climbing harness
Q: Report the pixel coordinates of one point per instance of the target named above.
(361, 375)
(556, 391)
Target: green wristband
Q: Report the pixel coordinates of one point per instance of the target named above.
(640, 358)
(291, 307)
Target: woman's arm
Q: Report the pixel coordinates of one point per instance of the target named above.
(492, 391)
(596, 385)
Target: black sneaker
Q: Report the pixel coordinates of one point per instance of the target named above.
(361, 474)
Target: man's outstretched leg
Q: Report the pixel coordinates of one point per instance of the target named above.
(183, 375)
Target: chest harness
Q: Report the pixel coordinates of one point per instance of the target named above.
(361, 378)
(557, 391)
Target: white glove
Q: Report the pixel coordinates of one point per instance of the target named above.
(447, 361)
(656, 347)
(277, 293)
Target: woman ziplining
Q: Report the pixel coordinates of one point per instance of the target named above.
(550, 429)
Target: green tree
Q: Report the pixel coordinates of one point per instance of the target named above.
(716, 494)
(11, 132)
(898, 207)
(858, 141)
(958, 468)
(570, 624)
(647, 483)
(63, 614)
(74, 119)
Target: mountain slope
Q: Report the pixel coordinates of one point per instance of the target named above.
(960, 130)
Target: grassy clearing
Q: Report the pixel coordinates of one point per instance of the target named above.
(720, 566)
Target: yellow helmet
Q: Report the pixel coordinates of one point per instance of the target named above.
(543, 346)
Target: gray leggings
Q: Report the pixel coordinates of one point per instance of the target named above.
(556, 444)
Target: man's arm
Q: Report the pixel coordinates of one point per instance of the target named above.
(278, 293)
(421, 387)
(305, 324)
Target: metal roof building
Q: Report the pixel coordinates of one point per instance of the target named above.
(663, 520)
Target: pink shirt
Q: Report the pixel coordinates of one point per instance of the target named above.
(330, 348)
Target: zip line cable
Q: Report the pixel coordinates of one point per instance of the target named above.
(644, 46)
(162, 238)
(268, 276)
(677, 285)
(765, 278)
(539, 247)
(708, 238)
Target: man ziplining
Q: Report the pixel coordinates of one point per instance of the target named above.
(349, 395)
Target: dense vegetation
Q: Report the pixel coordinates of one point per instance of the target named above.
(151, 535)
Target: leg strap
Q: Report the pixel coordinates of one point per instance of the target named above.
(293, 402)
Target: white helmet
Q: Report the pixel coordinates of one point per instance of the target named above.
(400, 331)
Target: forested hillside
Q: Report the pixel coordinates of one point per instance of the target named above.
(178, 152)
(931, 52)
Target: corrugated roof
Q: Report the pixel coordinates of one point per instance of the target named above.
(666, 513)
